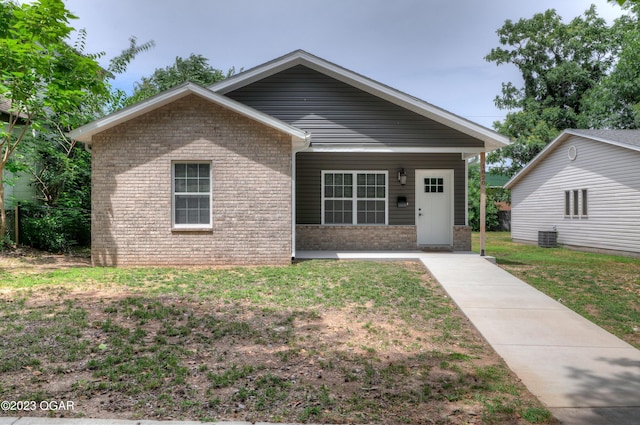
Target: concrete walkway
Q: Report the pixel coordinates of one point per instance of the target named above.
(583, 374)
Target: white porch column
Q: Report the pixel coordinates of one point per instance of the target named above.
(483, 202)
(293, 203)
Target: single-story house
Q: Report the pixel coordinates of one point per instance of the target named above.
(584, 185)
(295, 154)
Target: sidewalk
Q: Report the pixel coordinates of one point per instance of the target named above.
(583, 374)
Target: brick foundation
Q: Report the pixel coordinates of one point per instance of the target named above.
(355, 238)
(461, 238)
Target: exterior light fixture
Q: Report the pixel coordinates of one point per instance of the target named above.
(402, 176)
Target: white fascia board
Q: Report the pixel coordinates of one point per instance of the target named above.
(565, 135)
(254, 74)
(492, 139)
(603, 140)
(86, 132)
(386, 149)
(298, 136)
(541, 155)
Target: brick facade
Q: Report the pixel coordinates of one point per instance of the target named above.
(355, 238)
(461, 238)
(132, 188)
(313, 237)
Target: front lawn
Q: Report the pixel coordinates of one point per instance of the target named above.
(319, 341)
(603, 288)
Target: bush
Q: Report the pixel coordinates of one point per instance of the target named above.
(492, 221)
(55, 229)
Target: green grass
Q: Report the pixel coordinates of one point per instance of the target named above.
(253, 344)
(602, 288)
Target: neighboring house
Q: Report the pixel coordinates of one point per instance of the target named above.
(296, 154)
(585, 185)
(17, 187)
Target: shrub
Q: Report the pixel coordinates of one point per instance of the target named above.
(54, 229)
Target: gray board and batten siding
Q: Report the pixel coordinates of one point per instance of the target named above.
(336, 113)
(310, 164)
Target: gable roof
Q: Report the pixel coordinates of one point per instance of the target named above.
(629, 139)
(492, 140)
(86, 132)
(623, 138)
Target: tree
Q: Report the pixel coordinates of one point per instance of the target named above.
(195, 69)
(54, 160)
(492, 221)
(615, 102)
(40, 74)
(559, 63)
(622, 2)
(61, 168)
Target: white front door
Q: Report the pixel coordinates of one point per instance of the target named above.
(434, 207)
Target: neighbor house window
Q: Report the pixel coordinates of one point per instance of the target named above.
(354, 197)
(192, 195)
(576, 203)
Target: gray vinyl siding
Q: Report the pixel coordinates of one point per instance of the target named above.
(337, 113)
(610, 175)
(309, 166)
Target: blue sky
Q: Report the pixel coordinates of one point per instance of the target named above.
(431, 49)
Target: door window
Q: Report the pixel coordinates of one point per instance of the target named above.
(434, 185)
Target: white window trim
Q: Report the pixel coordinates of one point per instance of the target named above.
(196, 227)
(571, 205)
(354, 198)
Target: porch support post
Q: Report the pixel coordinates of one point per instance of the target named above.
(483, 202)
(296, 146)
(293, 203)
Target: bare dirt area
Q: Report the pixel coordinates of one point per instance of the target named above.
(25, 258)
(126, 353)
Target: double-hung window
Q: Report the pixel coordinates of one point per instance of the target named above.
(354, 197)
(191, 195)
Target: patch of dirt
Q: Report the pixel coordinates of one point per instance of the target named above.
(33, 260)
(222, 360)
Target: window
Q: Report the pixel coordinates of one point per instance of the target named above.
(575, 203)
(434, 185)
(191, 195)
(354, 197)
(338, 195)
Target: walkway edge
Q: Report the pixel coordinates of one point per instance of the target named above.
(582, 373)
